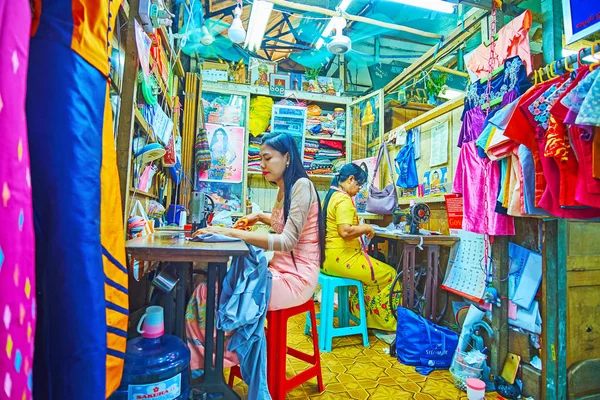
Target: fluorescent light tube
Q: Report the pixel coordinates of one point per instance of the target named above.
(434, 5)
(259, 17)
(450, 94)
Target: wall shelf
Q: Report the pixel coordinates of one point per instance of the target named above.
(262, 91)
(334, 138)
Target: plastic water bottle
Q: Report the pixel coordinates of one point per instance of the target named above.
(156, 365)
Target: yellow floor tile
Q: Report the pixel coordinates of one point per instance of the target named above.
(352, 371)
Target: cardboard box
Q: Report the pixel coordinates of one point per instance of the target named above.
(518, 343)
(532, 381)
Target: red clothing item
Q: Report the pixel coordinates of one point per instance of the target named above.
(588, 187)
(513, 40)
(521, 131)
(558, 148)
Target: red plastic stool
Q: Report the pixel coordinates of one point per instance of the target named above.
(279, 384)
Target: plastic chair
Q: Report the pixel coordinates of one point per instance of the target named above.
(277, 350)
(326, 329)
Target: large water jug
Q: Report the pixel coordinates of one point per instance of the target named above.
(156, 365)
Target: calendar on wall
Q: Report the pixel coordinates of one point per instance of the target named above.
(466, 274)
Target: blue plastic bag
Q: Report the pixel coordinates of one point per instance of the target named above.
(406, 165)
(420, 342)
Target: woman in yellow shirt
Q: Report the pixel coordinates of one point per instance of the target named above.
(344, 252)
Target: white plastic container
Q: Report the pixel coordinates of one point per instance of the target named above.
(475, 389)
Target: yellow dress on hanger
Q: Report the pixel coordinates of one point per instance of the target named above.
(346, 259)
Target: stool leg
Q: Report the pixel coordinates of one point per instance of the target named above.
(326, 323)
(316, 350)
(343, 308)
(307, 324)
(273, 352)
(280, 373)
(363, 315)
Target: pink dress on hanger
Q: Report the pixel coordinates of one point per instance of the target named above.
(17, 247)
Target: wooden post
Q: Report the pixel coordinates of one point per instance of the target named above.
(500, 314)
(552, 30)
(549, 309)
(127, 110)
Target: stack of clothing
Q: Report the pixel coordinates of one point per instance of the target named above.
(323, 125)
(320, 156)
(311, 148)
(254, 153)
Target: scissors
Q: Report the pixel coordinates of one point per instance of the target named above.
(242, 224)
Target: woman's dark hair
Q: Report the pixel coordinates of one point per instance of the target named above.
(285, 144)
(360, 175)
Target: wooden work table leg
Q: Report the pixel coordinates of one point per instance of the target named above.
(213, 375)
(408, 277)
(431, 285)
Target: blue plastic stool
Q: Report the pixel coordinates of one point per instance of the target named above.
(326, 329)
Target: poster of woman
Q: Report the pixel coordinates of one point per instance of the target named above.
(226, 145)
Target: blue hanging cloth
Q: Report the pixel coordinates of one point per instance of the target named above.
(406, 165)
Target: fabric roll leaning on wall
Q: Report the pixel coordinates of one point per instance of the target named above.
(17, 257)
(80, 249)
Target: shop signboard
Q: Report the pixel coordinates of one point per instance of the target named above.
(581, 18)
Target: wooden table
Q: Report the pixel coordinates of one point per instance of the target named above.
(167, 246)
(431, 245)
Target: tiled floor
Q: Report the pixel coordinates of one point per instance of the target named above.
(352, 371)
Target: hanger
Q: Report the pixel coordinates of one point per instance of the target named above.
(581, 64)
(597, 63)
(541, 72)
(567, 67)
(535, 77)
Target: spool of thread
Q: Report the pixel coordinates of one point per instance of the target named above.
(182, 219)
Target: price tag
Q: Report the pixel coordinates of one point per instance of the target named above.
(277, 90)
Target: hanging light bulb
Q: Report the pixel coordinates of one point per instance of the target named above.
(237, 33)
(207, 38)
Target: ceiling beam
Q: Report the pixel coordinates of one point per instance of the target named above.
(453, 41)
(351, 17)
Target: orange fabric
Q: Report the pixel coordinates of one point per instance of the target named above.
(113, 241)
(513, 40)
(91, 25)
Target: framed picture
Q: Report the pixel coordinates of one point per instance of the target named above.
(280, 80)
(259, 71)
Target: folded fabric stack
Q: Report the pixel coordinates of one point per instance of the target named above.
(320, 156)
(323, 125)
(254, 154)
(311, 147)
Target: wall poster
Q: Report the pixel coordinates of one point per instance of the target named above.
(226, 145)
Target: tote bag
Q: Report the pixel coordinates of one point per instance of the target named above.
(420, 342)
(406, 165)
(384, 201)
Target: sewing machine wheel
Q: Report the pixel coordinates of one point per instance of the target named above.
(420, 213)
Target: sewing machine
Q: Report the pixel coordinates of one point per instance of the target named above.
(416, 214)
(202, 206)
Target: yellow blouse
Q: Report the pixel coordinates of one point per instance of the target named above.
(340, 211)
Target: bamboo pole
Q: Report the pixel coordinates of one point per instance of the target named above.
(450, 71)
(351, 17)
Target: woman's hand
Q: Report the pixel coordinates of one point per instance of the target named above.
(247, 221)
(369, 231)
(217, 230)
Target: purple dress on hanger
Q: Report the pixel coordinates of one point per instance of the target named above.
(17, 267)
